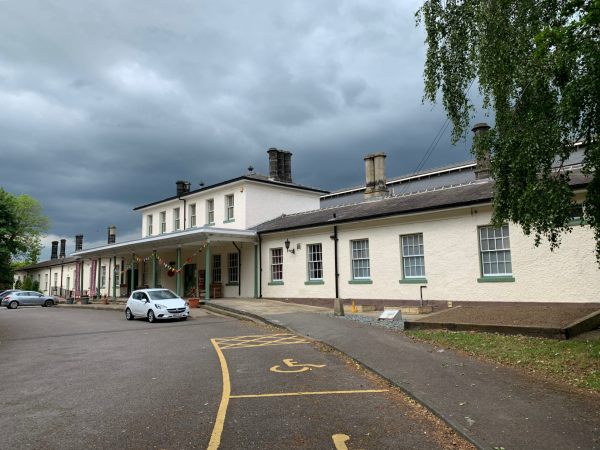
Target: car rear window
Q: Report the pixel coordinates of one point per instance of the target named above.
(162, 295)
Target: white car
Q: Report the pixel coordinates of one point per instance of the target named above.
(156, 304)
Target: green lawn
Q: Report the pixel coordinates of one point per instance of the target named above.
(576, 362)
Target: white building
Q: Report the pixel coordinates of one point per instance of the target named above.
(391, 240)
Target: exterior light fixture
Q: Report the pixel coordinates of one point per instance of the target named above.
(287, 246)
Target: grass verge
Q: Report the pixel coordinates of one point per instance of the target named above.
(575, 362)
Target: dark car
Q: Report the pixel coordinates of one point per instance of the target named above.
(27, 298)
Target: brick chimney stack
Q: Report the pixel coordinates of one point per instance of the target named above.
(79, 242)
(63, 248)
(482, 170)
(54, 252)
(280, 165)
(375, 181)
(112, 234)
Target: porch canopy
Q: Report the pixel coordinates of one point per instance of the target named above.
(177, 241)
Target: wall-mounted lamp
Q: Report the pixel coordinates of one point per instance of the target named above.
(287, 246)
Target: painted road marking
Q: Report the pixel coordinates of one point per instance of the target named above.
(255, 341)
(295, 394)
(259, 341)
(295, 367)
(339, 440)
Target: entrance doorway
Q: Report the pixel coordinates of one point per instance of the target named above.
(190, 281)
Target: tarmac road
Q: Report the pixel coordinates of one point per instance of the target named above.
(75, 378)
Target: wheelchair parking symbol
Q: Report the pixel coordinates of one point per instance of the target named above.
(294, 367)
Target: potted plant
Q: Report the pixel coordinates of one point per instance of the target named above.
(104, 300)
(193, 301)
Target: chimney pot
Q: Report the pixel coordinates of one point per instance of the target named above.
(375, 175)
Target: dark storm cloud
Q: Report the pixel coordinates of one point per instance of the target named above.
(104, 105)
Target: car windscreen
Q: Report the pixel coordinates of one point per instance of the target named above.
(162, 295)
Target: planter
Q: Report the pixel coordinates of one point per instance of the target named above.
(104, 301)
(85, 300)
(194, 302)
(70, 301)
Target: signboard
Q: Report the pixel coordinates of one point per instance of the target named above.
(390, 314)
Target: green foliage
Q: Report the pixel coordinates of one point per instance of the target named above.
(27, 284)
(21, 227)
(537, 65)
(575, 362)
(18, 284)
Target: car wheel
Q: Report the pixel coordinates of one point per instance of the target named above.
(129, 314)
(48, 303)
(151, 316)
(13, 305)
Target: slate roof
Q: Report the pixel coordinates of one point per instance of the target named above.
(250, 176)
(49, 263)
(477, 192)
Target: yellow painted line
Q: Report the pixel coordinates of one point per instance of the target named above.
(292, 394)
(259, 340)
(215, 438)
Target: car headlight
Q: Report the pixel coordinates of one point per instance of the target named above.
(159, 306)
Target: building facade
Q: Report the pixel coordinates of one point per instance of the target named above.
(422, 236)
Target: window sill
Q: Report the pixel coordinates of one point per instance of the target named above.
(503, 279)
(413, 281)
(360, 281)
(233, 283)
(275, 283)
(314, 282)
(210, 224)
(229, 221)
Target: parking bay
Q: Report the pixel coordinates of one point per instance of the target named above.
(280, 391)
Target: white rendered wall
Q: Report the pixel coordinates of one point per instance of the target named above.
(569, 274)
(265, 202)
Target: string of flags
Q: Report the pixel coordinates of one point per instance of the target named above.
(171, 269)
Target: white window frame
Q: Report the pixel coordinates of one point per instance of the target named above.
(229, 207)
(163, 222)
(314, 261)
(360, 260)
(216, 273)
(494, 251)
(176, 219)
(276, 264)
(233, 268)
(149, 224)
(102, 277)
(413, 256)
(210, 211)
(192, 215)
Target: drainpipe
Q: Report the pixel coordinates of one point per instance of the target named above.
(239, 269)
(334, 236)
(259, 267)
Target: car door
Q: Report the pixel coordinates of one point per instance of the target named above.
(144, 303)
(138, 304)
(26, 298)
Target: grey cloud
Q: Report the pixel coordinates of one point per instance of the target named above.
(105, 105)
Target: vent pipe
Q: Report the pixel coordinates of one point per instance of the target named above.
(54, 252)
(63, 248)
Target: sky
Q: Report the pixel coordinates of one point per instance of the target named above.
(104, 105)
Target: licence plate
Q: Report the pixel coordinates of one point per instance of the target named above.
(177, 315)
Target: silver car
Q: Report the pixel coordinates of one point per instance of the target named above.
(27, 298)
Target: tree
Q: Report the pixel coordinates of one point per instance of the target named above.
(21, 227)
(537, 65)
